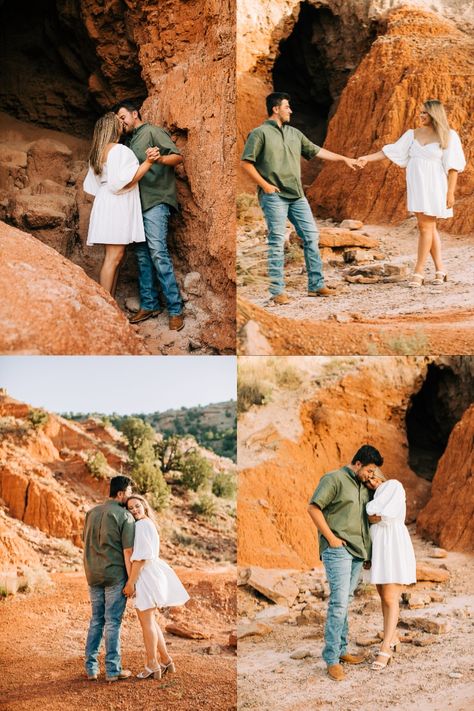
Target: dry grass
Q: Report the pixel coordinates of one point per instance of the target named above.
(259, 377)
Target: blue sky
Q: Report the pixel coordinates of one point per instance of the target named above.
(122, 384)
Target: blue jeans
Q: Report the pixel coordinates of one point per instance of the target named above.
(343, 572)
(108, 605)
(276, 211)
(153, 258)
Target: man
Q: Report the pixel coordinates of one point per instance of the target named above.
(337, 509)
(158, 196)
(272, 158)
(108, 543)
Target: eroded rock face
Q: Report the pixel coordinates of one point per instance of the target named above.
(50, 307)
(447, 518)
(180, 57)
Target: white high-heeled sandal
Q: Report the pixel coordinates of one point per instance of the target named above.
(416, 280)
(440, 278)
(147, 673)
(378, 666)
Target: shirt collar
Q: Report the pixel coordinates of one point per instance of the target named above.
(351, 473)
(272, 122)
(136, 130)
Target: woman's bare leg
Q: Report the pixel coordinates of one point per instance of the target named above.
(436, 252)
(112, 258)
(150, 637)
(382, 601)
(427, 230)
(117, 272)
(162, 649)
(390, 594)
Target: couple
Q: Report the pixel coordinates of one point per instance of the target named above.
(342, 508)
(134, 187)
(272, 154)
(121, 541)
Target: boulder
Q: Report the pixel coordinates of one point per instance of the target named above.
(338, 237)
(351, 225)
(276, 614)
(274, 585)
(301, 653)
(372, 274)
(182, 630)
(254, 629)
(429, 572)
(426, 624)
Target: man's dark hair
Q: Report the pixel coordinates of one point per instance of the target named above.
(275, 99)
(368, 455)
(119, 483)
(128, 104)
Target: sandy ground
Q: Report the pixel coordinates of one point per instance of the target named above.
(363, 318)
(42, 640)
(418, 678)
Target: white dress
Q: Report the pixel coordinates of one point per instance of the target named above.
(116, 216)
(157, 585)
(393, 558)
(427, 171)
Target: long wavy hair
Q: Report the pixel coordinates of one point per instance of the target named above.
(107, 129)
(436, 110)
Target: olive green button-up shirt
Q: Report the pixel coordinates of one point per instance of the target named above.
(108, 529)
(158, 185)
(276, 153)
(342, 499)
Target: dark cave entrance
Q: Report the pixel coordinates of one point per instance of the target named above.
(431, 415)
(52, 74)
(315, 62)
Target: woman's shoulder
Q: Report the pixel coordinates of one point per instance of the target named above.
(392, 484)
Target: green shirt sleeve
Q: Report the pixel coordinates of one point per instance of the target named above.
(308, 148)
(253, 146)
(128, 532)
(325, 492)
(162, 139)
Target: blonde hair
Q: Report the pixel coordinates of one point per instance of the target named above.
(437, 112)
(148, 511)
(378, 474)
(107, 129)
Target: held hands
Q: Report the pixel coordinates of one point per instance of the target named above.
(353, 163)
(367, 564)
(153, 154)
(129, 590)
(374, 518)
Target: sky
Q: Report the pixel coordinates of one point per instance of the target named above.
(122, 384)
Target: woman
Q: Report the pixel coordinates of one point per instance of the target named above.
(393, 559)
(116, 217)
(433, 157)
(154, 584)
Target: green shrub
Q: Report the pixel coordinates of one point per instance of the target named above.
(251, 392)
(196, 471)
(38, 418)
(224, 485)
(97, 465)
(205, 506)
(150, 481)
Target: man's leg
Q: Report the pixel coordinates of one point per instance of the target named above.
(275, 210)
(149, 300)
(115, 602)
(301, 217)
(155, 221)
(338, 565)
(355, 577)
(96, 628)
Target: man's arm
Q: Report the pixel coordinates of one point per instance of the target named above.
(172, 159)
(127, 554)
(329, 155)
(320, 522)
(253, 173)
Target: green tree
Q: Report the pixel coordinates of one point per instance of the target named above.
(169, 453)
(97, 465)
(137, 432)
(38, 418)
(150, 481)
(196, 471)
(224, 485)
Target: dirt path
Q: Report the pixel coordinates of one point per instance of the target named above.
(380, 318)
(417, 680)
(42, 639)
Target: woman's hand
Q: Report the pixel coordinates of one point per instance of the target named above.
(374, 518)
(367, 564)
(352, 163)
(362, 161)
(450, 200)
(153, 154)
(129, 590)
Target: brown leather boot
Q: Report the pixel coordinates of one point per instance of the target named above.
(176, 323)
(323, 291)
(281, 299)
(143, 314)
(336, 672)
(352, 658)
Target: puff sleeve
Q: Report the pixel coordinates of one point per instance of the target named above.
(398, 151)
(453, 156)
(91, 183)
(146, 543)
(389, 501)
(122, 164)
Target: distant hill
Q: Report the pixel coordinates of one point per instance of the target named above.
(214, 426)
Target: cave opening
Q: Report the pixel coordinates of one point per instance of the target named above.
(54, 75)
(314, 64)
(431, 415)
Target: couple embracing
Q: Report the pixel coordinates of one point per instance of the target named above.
(432, 155)
(134, 189)
(345, 502)
(121, 560)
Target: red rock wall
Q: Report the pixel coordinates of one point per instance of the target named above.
(448, 516)
(420, 56)
(367, 406)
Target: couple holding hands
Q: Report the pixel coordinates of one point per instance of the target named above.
(432, 155)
